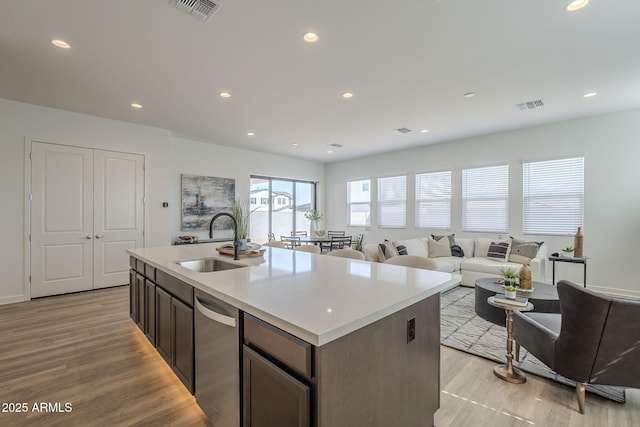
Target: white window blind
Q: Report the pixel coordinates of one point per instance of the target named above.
(553, 196)
(392, 202)
(485, 199)
(359, 202)
(433, 200)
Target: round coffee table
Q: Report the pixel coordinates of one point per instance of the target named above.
(544, 298)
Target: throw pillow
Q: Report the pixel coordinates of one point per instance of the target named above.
(451, 237)
(457, 251)
(523, 251)
(386, 250)
(499, 251)
(439, 248)
(402, 250)
(413, 247)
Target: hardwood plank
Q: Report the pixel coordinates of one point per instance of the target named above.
(84, 349)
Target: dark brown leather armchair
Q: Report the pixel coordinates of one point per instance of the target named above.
(595, 340)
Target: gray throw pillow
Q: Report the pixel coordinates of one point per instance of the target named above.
(523, 251)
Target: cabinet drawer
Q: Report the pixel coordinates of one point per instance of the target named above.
(139, 266)
(292, 351)
(150, 272)
(177, 288)
(132, 263)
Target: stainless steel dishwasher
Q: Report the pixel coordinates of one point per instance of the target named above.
(217, 349)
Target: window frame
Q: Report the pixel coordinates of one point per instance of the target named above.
(392, 202)
(419, 201)
(500, 197)
(350, 222)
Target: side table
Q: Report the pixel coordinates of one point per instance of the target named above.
(507, 371)
(555, 259)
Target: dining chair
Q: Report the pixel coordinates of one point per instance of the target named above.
(299, 233)
(340, 242)
(330, 234)
(291, 241)
(308, 248)
(335, 233)
(347, 253)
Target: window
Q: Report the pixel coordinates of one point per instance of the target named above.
(252, 200)
(485, 199)
(392, 202)
(433, 200)
(553, 196)
(283, 203)
(359, 202)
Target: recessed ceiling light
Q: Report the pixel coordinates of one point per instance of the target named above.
(225, 94)
(590, 94)
(424, 131)
(329, 151)
(251, 133)
(295, 144)
(136, 105)
(576, 5)
(60, 43)
(310, 37)
(469, 94)
(347, 95)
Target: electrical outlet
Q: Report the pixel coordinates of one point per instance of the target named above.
(411, 329)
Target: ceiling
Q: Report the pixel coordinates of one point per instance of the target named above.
(407, 62)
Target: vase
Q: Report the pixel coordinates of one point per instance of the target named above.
(243, 245)
(510, 294)
(525, 277)
(316, 229)
(577, 243)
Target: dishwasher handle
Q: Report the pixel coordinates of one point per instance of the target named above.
(214, 315)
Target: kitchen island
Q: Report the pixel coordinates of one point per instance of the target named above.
(359, 341)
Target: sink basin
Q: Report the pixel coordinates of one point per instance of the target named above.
(207, 265)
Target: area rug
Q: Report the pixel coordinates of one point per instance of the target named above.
(462, 329)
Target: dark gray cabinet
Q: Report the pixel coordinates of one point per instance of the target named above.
(271, 396)
(162, 307)
(276, 376)
(174, 327)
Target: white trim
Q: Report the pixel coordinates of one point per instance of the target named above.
(27, 224)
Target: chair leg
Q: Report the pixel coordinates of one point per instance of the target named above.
(517, 351)
(581, 396)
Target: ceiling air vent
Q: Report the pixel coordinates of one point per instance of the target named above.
(530, 105)
(401, 130)
(335, 145)
(201, 9)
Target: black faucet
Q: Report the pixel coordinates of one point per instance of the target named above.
(236, 241)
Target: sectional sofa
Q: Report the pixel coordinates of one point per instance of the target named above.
(472, 258)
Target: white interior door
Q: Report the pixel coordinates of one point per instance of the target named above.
(118, 215)
(87, 209)
(61, 219)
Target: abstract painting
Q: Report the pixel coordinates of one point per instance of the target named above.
(203, 197)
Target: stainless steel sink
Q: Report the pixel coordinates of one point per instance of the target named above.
(207, 265)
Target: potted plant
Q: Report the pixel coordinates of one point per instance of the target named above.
(510, 278)
(241, 214)
(568, 251)
(357, 245)
(315, 217)
(510, 291)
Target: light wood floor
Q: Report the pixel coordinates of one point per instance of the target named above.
(84, 350)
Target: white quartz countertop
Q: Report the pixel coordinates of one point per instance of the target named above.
(314, 297)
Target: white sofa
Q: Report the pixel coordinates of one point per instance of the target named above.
(476, 262)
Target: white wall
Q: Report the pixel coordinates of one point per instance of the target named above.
(610, 144)
(166, 158)
(227, 162)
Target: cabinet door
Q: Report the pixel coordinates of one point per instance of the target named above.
(272, 397)
(183, 349)
(164, 339)
(140, 288)
(150, 310)
(133, 296)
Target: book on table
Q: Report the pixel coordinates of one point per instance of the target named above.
(518, 301)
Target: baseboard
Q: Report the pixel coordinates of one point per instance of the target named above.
(13, 299)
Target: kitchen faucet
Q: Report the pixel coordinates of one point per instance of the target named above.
(236, 241)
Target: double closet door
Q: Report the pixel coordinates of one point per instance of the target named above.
(87, 209)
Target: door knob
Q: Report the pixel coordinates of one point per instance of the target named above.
(88, 237)
(99, 236)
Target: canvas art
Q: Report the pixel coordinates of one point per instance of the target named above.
(203, 197)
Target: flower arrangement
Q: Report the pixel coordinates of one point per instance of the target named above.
(314, 215)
